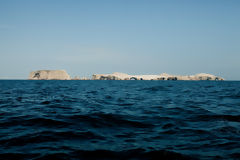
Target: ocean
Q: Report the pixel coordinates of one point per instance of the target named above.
(119, 120)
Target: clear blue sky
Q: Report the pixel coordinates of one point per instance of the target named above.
(131, 36)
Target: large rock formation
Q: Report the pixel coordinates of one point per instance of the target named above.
(49, 75)
(163, 76)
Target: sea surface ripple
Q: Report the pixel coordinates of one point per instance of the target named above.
(119, 120)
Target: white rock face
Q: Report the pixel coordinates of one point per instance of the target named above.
(163, 76)
(49, 75)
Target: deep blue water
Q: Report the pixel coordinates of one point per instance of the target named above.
(119, 119)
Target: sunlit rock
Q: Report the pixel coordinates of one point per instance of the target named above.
(163, 76)
(49, 75)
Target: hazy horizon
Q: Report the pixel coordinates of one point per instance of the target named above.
(135, 37)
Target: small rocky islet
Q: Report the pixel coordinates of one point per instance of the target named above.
(63, 75)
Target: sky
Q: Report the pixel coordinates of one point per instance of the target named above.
(181, 37)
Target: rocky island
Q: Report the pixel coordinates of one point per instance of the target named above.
(63, 75)
(49, 75)
(163, 76)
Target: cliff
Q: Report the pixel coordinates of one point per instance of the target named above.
(163, 76)
(49, 75)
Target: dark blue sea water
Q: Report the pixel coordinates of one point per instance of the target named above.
(119, 120)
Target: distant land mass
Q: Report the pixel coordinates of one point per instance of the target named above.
(63, 75)
(49, 75)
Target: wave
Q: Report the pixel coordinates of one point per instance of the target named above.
(139, 154)
(119, 120)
